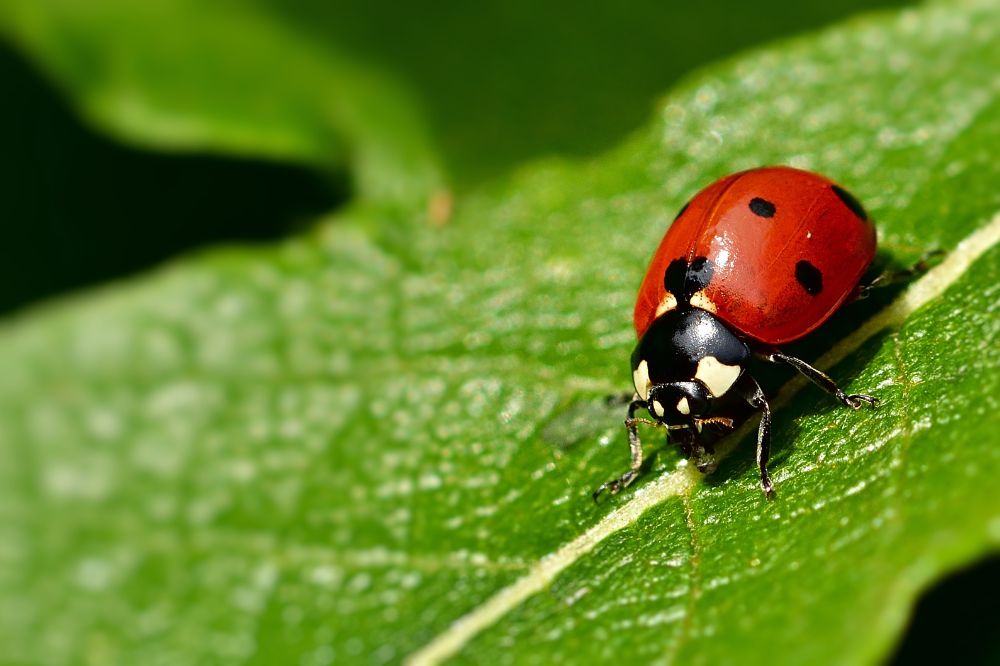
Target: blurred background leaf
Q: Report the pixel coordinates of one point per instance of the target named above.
(327, 449)
(225, 77)
(503, 82)
(498, 82)
(79, 207)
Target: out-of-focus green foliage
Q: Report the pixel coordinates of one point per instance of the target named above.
(371, 97)
(374, 83)
(79, 207)
(188, 75)
(504, 81)
(329, 450)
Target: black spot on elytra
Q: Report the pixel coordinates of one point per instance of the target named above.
(699, 274)
(762, 207)
(850, 201)
(681, 211)
(809, 277)
(683, 279)
(673, 278)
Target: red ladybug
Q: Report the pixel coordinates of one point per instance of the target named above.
(756, 260)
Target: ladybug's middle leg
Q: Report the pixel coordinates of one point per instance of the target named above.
(822, 380)
(754, 395)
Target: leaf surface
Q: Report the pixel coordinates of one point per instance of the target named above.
(333, 449)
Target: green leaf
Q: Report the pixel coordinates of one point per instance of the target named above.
(186, 75)
(511, 80)
(334, 449)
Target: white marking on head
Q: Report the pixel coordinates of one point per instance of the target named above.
(640, 377)
(658, 409)
(700, 300)
(668, 303)
(717, 377)
(683, 407)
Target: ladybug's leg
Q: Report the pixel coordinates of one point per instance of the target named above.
(889, 277)
(635, 447)
(752, 393)
(822, 380)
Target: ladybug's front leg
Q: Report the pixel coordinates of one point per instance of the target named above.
(635, 448)
(748, 387)
(822, 380)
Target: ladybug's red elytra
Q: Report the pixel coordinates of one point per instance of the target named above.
(755, 260)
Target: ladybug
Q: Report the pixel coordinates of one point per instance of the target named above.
(754, 261)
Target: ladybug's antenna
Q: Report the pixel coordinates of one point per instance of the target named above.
(658, 424)
(722, 421)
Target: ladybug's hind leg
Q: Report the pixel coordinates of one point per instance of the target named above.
(889, 277)
(822, 380)
(748, 387)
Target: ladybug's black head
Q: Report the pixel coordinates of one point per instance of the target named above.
(685, 359)
(677, 403)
